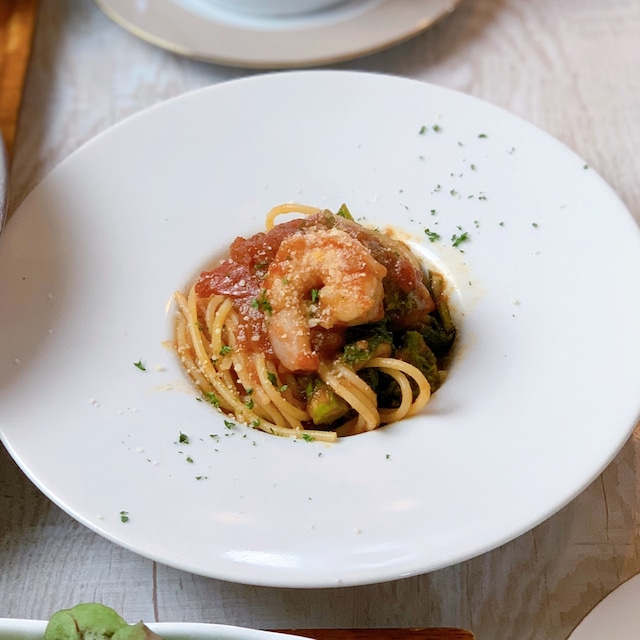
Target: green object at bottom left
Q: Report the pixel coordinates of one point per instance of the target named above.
(94, 621)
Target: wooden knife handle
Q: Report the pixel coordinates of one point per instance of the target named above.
(17, 22)
(439, 633)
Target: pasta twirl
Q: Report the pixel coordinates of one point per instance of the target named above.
(317, 327)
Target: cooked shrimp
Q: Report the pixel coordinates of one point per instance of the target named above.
(320, 278)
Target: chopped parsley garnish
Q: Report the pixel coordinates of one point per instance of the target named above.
(255, 423)
(225, 349)
(423, 130)
(483, 135)
(432, 235)
(189, 459)
(457, 240)
(249, 403)
(315, 294)
(140, 365)
(436, 128)
(183, 438)
(534, 225)
(229, 424)
(307, 438)
(213, 399)
(272, 378)
(124, 516)
(262, 304)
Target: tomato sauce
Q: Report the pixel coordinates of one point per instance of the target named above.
(241, 277)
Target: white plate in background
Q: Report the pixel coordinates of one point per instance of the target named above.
(529, 416)
(196, 29)
(617, 616)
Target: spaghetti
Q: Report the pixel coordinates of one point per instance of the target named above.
(316, 328)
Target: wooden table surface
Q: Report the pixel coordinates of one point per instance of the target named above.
(568, 66)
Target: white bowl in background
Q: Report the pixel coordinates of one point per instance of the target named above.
(274, 8)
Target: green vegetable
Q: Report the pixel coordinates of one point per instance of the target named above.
(436, 285)
(415, 351)
(88, 621)
(363, 341)
(386, 388)
(324, 405)
(140, 365)
(344, 212)
(437, 337)
(94, 621)
(438, 329)
(402, 308)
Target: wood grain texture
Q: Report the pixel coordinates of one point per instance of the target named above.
(569, 67)
(17, 21)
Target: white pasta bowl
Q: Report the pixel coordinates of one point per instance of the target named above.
(98, 249)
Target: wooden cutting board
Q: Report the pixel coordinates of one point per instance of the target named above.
(17, 22)
(383, 634)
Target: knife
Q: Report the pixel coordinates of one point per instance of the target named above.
(17, 22)
(435, 633)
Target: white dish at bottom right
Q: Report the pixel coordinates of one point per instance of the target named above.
(617, 616)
